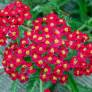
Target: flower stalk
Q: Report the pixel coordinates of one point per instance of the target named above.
(41, 86)
(72, 83)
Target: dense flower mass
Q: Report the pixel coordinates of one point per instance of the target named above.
(45, 49)
(11, 17)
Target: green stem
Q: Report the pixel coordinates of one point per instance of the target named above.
(41, 86)
(27, 28)
(72, 83)
(85, 24)
(82, 5)
(1, 53)
(14, 86)
(90, 39)
(32, 90)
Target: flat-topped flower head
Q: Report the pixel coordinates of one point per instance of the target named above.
(11, 17)
(49, 49)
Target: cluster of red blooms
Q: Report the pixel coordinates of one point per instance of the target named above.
(11, 17)
(45, 48)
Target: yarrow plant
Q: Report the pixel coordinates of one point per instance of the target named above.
(43, 50)
(11, 17)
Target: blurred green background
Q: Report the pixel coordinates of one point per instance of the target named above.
(78, 14)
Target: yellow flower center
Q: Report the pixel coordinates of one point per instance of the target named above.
(13, 74)
(66, 29)
(18, 60)
(35, 56)
(40, 62)
(65, 66)
(28, 33)
(46, 30)
(45, 70)
(34, 36)
(19, 51)
(56, 41)
(36, 27)
(27, 52)
(39, 38)
(47, 42)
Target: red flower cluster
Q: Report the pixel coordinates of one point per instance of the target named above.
(15, 62)
(11, 17)
(45, 49)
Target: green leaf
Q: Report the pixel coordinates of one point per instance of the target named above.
(21, 30)
(1, 53)
(31, 85)
(1, 50)
(14, 87)
(62, 88)
(72, 84)
(53, 87)
(82, 9)
(74, 23)
(47, 85)
(59, 2)
(71, 54)
(84, 89)
(46, 9)
(28, 59)
(41, 86)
